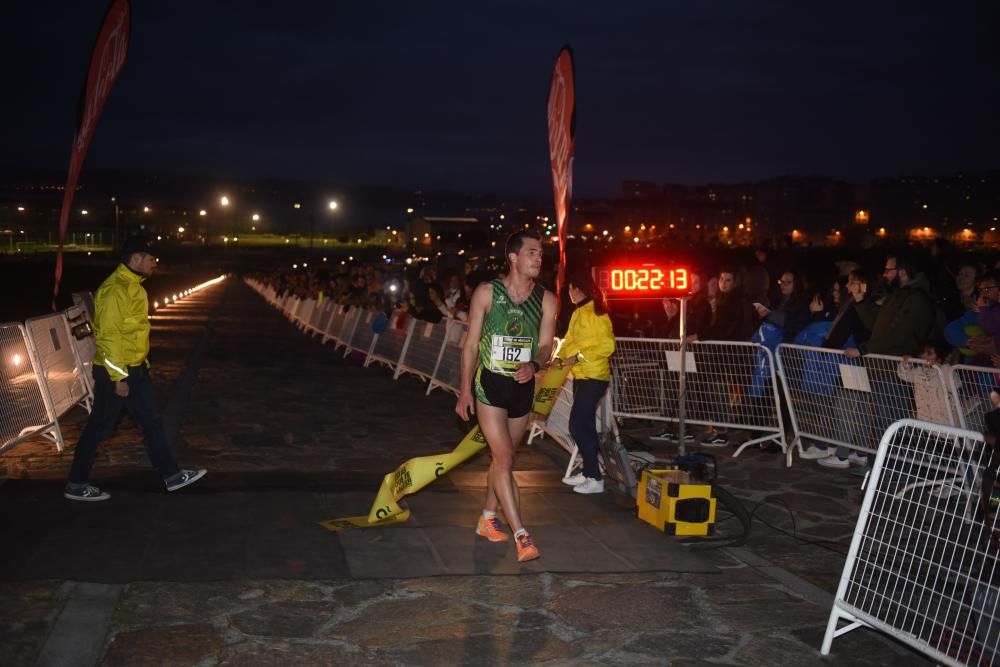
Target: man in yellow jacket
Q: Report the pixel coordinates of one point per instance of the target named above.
(121, 376)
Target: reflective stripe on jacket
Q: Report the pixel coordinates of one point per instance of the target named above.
(592, 339)
(121, 322)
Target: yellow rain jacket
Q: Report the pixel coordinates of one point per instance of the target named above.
(121, 322)
(592, 339)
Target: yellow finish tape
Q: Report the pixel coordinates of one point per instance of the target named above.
(418, 472)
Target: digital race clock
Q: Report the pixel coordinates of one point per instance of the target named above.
(646, 280)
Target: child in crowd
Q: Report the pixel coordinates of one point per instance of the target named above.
(931, 384)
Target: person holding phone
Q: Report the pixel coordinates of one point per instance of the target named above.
(791, 314)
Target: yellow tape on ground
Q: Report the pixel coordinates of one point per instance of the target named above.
(417, 473)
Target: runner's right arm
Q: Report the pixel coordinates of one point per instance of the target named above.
(482, 299)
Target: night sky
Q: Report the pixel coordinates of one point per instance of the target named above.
(436, 95)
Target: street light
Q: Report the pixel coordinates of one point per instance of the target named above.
(255, 217)
(224, 200)
(332, 205)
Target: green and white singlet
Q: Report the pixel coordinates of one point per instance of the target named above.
(510, 330)
(509, 338)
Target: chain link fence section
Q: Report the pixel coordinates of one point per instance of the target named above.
(389, 343)
(727, 385)
(971, 387)
(851, 402)
(25, 408)
(59, 368)
(922, 565)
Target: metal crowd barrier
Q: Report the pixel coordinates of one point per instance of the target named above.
(431, 351)
(728, 385)
(851, 402)
(448, 370)
(423, 349)
(362, 335)
(971, 387)
(25, 407)
(923, 567)
(322, 320)
(335, 325)
(556, 425)
(388, 345)
(58, 364)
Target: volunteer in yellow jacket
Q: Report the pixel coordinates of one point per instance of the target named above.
(121, 376)
(589, 342)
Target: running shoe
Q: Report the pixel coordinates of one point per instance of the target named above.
(183, 478)
(526, 549)
(490, 529)
(86, 493)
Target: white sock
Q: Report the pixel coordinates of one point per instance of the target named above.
(488, 514)
(518, 532)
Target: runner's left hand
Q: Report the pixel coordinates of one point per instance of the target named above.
(524, 373)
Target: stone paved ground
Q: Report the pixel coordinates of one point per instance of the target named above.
(269, 399)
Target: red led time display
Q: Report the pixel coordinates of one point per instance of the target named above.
(643, 281)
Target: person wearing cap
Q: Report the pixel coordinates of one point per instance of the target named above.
(121, 376)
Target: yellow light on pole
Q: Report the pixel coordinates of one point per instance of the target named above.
(224, 200)
(296, 205)
(180, 230)
(332, 205)
(145, 209)
(202, 212)
(84, 212)
(255, 217)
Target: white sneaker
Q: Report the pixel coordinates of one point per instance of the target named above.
(573, 480)
(814, 452)
(590, 486)
(857, 459)
(834, 462)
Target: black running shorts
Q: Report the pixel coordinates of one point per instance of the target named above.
(504, 392)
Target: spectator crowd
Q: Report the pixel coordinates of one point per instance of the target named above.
(938, 305)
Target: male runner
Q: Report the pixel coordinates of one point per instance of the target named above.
(511, 324)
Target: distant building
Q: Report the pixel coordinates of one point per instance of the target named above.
(442, 230)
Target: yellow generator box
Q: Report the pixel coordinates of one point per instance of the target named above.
(670, 502)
